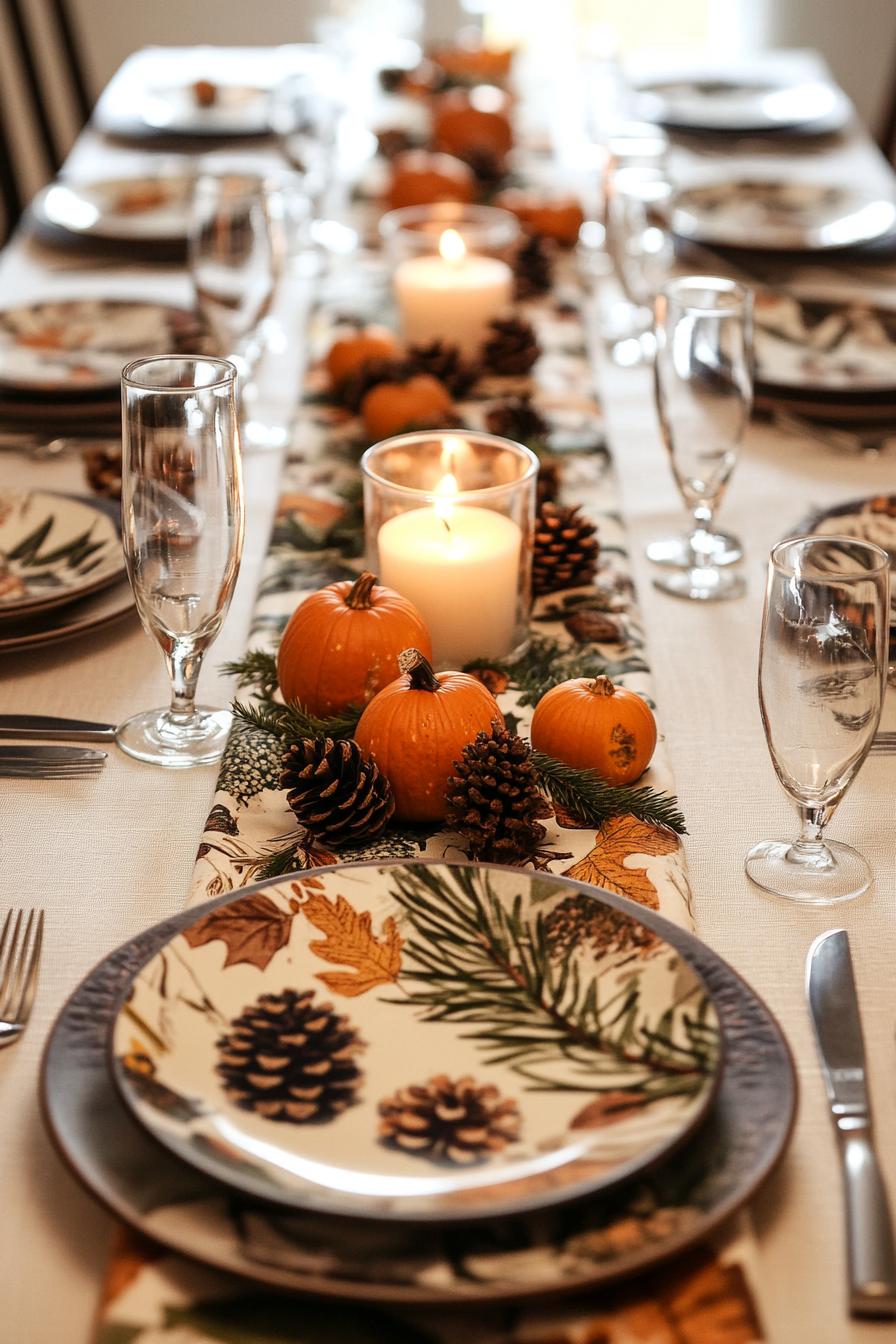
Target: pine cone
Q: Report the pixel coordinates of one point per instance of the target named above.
(351, 391)
(494, 799)
(289, 1058)
(336, 792)
(516, 418)
(511, 348)
(533, 267)
(547, 482)
(102, 467)
(580, 919)
(442, 360)
(456, 1121)
(393, 141)
(565, 549)
(489, 168)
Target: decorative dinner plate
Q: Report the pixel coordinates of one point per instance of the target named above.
(418, 1042)
(131, 210)
(741, 105)
(824, 345)
(568, 1248)
(780, 215)
(871, 519)
(86, 616)
(179, 109)
(79, 346)
(54, 549)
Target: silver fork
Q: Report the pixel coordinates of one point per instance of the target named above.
(42, 762)
(19, 964)
(884, 743)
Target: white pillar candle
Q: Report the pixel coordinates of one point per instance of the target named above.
(460, 567)
(452, 296)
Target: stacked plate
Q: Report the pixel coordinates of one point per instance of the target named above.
(728, 105)
(146, 215)
(420, 1082)
(61, 568)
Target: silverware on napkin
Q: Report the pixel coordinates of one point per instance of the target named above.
(834, 1009)
(48, 727)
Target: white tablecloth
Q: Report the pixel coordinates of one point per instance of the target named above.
(108, 857)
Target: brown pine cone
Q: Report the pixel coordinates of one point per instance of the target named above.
(102, 466)
(511, 347)
(533, 267)
(565, 549)
(442, 360)
(351, 391)
(453, 1120)
(494, 799)
(394, 140)
(336, 792)
(489, 168)
(516, 418)
(547, 482)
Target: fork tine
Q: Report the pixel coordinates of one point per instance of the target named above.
(4, 935)
(22, 1012)
(8, 964)
(7, 1013)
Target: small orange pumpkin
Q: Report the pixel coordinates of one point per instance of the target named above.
(340, 645)
(422, 178)
(417, 728)
(473, 120)
(559, 217)
(594, 725)
(390, 408)
(351, 353)
(475, 62)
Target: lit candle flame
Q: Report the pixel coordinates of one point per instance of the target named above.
(451, 247)
(445, 495)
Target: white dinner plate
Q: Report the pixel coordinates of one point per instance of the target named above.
(418, 1041)
(742, 105)
(780, 215)
(125, 209)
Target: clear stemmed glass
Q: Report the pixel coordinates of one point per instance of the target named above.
(822, 678)
(305, 118)
(640, 248)
(182, 525)
(703, 379)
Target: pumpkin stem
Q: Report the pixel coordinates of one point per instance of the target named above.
(359, 595)
(602, 686)
(418, 669)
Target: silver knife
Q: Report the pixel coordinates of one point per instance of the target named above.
(834, 1008)
(45, 727)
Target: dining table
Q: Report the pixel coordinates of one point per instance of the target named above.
(109, 856)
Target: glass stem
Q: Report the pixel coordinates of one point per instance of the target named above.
(810, 848)
(699, 538)
(183, 664)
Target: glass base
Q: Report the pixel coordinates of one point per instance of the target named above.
(832, 872)
(161, 738)
(702, 585)
(676, 553)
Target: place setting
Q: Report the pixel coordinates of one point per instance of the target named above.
(523, 914)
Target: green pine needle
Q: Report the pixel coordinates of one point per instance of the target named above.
(280, 861)
(292, 722)
(590, 798)
(257, 669)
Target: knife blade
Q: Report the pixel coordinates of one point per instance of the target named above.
(834, 1009)
(43, 727)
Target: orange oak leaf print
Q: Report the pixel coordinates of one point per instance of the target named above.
(617, 840)
(350, 941)
(252, 929)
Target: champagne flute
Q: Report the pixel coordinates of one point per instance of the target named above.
(640, 249)
(182, 525)
(703, 381)
(822, 679)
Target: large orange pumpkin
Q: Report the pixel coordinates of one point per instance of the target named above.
(474, 120)
(351, 353)
(341, 643)
(389, 408)
(593, 725)
(422, 178)
(475, 62)
(417, 728)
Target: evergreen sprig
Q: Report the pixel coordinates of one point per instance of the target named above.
(546, 662)
(589, 798)
(292, 722)
(280, 861)
(257, 669)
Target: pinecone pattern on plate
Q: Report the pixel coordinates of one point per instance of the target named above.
(336, 792)
(494, 800)
(449, 1120)
(442, 360)
(565, 549)
(511, 347)
(581, 920)
(533, 267)
(291, 1059)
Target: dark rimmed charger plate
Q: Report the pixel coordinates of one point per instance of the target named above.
(561, 1250)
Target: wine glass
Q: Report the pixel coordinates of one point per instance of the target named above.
(640, 249)
(305, 118)
(703, 380)
(822, 678)
(182, 525)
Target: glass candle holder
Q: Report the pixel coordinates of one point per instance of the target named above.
(449, 518)
(449, 273)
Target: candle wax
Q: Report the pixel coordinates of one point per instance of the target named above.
(463, 577)
(451, 300)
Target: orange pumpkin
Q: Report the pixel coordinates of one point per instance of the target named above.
(340, 645)
(390, 408)
(594, 725)
(417, 728)
(422, 178)
(475, 62)
(557, 217)
(473, 120)
(351, 353)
